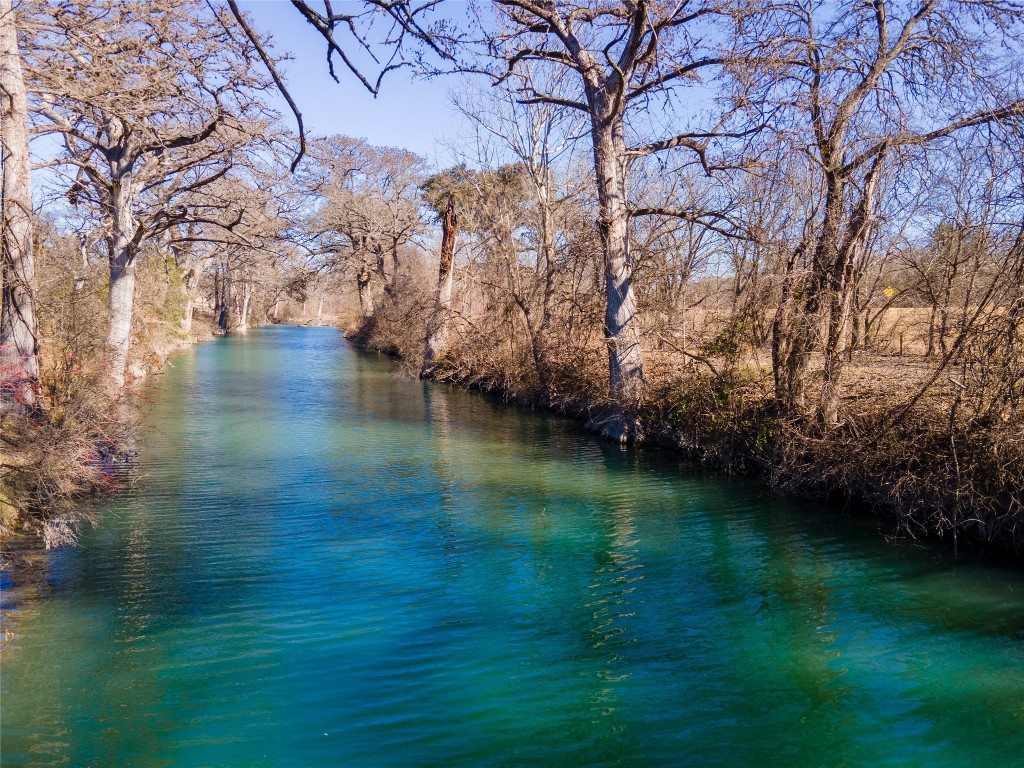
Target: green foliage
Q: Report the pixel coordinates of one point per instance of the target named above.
(726, 342)
(476, 191)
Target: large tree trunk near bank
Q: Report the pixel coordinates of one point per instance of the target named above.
(122, 284)
(222, 298)
(365, 289)
(119, 330)
(247, 291)
(437, 328)
(19, 367)
(626, 382)
(840, 296)
(625, 358)
(191, 289)
(797, 325)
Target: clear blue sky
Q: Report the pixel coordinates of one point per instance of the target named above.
(408, 113)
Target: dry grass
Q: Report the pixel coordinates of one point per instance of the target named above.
(910, 444)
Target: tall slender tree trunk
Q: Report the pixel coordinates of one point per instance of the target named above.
(191, 288)
(541, 339)
(83, 252)
(247, 290)
(625, 358)
(437, 328)
(784, 332)
(798, 322)
(224, 303)
(840, 296)
(19, 346)
(122, 283)
(365, 289)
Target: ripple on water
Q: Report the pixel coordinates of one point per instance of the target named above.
(325, 564)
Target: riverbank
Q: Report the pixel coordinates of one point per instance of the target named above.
(918, 466)
(80, 443)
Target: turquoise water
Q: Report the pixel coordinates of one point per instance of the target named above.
(325, 565)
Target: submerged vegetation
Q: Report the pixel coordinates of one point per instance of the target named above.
(784, 239)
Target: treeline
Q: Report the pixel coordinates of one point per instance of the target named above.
(162, 193)
(781, 237)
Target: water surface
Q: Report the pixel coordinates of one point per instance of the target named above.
(323, 564)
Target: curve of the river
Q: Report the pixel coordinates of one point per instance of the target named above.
(323, 564)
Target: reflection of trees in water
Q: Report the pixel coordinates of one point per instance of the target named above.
(605, 610)
(770, 592)
(380, 392)
(448, 521)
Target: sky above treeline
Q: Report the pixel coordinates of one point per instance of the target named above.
(409, 113)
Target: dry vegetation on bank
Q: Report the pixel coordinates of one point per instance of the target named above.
(781, 238)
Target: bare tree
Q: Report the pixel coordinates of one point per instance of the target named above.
(624, 56)
(866, 87)
(437, 328)
(141, 132)
(19, 346)
(368, 210)
(520, 206)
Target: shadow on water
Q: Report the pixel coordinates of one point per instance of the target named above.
(324, 563)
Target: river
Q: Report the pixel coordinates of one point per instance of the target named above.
(324, 564)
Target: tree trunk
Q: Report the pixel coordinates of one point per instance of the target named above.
(365, 289)
(783, 332)
(122, 284)
(797, 325)
(191, 287)
(224, 312)
(840, 296)
(625, 358)
(540, 339)
(437, 329)
(247, 289)
(119, 331)
(19, 346)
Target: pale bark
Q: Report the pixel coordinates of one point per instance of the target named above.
(437, 330)
(191, 289)
(365, 292)
(19, 368)
(83, 252)
(247, 291)
(122, 278)
(119, 331)
(625, 358)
